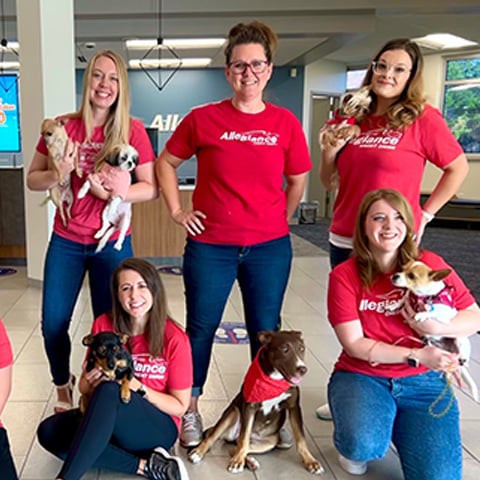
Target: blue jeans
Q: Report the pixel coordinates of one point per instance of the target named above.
(65, 267)
(412, 412)
(209, 272)
(111, 435)
(338, 255)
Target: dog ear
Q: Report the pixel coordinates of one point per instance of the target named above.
(437, 275)
(265, 337)
(87, 340)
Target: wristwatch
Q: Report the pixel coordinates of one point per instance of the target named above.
(412, 359)
(142, 391)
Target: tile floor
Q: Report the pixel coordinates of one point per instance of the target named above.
(32, 395)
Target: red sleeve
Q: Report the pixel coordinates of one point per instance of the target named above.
(297, 156)
(182, 142)
(343, 291)
(139, 139)
(462, 296)
(6, 353)
(179, 358)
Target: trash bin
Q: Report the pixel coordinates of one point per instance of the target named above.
(308, 212)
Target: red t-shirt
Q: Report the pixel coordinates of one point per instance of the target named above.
(6, 354)
(378, 310)
(173, 370)
(385, 158)
(87, 212)
(242, 161)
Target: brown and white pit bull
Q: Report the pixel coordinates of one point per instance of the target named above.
(258, 412)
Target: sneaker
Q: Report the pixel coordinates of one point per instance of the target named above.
(192, 429)
(352, 467)
(163, 466)
(323, 412)
(285, 440)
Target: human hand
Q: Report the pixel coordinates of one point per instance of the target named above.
(333, 137)
(437, 359)
(94, 377)
(97, 188)
(421, 230)
(191, 220)
(425, 326)
(67, 163)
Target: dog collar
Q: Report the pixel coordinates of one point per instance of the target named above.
(443, 297)
(338, 118)
(258, 387)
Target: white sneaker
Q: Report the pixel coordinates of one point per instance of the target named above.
(352, 467)
(323, 412)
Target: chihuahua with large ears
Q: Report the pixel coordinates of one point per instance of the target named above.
(55, 138)
(431, 298)
(115, 176)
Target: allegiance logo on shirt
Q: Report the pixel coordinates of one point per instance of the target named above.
(257, 137)
(388, 304)
(381, 139)
(147, 367)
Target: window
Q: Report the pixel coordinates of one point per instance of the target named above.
(355, 78)
(461, 101)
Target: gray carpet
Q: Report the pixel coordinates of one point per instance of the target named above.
(460, 247)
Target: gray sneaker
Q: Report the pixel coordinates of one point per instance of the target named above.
(285, 440)
(192, 429)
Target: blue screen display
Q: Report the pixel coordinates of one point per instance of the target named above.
(9, 117)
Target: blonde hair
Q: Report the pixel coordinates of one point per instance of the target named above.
(407, 251)
(117, 126)
(253, 32)
(412, 100)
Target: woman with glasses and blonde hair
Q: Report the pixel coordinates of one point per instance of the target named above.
(399, 134)
(252, 165)
(101, 124)
(387, 385)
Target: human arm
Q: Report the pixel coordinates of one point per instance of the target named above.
(5, 385)
(166, 171)
(449, 183)
(40, 178)
(356, 345)
(294, 192)
(173, 402)
(328, 167)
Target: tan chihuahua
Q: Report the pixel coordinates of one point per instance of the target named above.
(431, 298)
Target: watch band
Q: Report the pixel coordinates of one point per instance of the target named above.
(142, 391)
(412, 359)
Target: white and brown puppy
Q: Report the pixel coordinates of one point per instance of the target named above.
(258, 412)
(56, 138)
(431, 298)
(343, 126)
(115, 176)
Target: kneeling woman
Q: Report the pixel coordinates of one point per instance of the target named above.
(387, 386)
(131, 438)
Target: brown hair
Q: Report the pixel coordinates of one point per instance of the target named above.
(412, 100)
(367, 265)
(253, 32)
(158, 314)
(117, 126)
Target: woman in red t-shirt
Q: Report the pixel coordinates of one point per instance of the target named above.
(387, 385)
(135, 437)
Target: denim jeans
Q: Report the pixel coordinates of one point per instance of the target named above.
(209, 272)
(338, 255)
(66, 264)
(413, 412)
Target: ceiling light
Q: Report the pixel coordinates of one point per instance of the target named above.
(169, 62)
(144, 44)
(9, 65)
(10, 45)
(441, 41)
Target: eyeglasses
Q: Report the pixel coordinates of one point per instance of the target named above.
(256, 66)
(381, 68)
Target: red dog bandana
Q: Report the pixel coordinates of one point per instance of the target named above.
(258, 387)
(337, 118)
(443, 297)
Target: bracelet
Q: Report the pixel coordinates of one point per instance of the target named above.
(428, 216)
(370, 351)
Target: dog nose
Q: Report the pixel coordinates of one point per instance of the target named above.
(302, 370)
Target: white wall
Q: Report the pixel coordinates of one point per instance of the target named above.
(329, 78)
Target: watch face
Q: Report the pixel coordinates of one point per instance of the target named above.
(413, 362)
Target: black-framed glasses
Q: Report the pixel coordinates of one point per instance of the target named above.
(256, 66)
(383, 68)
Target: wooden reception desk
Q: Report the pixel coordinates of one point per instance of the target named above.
(154, 233)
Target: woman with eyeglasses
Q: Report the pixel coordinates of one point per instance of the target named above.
(399, 134)
(253, 162)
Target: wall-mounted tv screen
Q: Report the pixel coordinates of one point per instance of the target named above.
(9, 116)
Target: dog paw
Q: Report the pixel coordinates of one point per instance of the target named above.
(118, 246)
(125, 398)
(195, 457)
(236, 466)
(252, 463)
(315, 467)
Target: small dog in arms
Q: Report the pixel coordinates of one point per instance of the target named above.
(255, 416)
(343, 126)
(56, 138)
(115, 176)
(431, 298)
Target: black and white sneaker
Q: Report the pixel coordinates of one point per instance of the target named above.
(163, 466)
